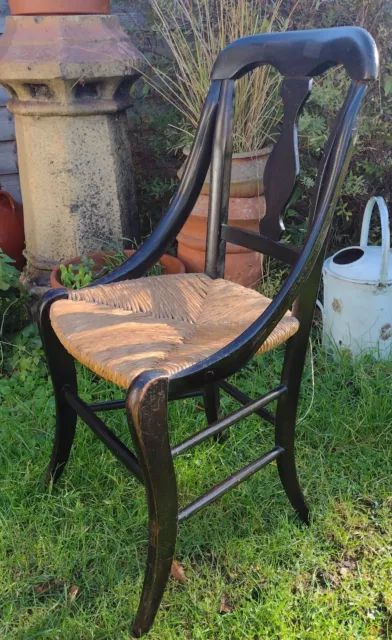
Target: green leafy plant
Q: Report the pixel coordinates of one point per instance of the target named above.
(9, 276)
(12, 299)
(76, 277)
(27, 357)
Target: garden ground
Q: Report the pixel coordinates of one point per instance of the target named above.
(72, 556)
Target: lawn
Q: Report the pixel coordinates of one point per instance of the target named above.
(72, 556)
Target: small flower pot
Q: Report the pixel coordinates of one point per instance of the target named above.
(58, 7)
(170, 264)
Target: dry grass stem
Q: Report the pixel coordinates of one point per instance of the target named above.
(195, 31)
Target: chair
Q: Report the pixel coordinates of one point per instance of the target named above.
(169, 337)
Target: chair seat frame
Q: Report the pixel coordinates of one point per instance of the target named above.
(299, 56)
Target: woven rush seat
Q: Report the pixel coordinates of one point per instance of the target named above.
(168, 322)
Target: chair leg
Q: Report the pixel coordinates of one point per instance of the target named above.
(62, 370)
(147, 416)
(285, 437)
(286, 413)
(211, 399)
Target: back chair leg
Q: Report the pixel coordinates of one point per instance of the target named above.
(286, 415)
(147, 416)
(62, 370)
(286, 412)
(211, 399)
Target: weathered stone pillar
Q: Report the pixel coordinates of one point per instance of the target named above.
(70, 78)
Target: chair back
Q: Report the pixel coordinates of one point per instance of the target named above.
(298, 56)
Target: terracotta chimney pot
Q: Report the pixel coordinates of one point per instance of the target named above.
(58, 7)
(69, 78)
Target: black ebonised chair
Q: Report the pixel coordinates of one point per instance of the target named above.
(169, 337)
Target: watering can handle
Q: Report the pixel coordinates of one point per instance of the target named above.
(385, 233)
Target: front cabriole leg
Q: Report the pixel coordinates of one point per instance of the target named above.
(147, 403)
(62, 371)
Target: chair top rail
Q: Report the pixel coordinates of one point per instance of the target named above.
(301, 53)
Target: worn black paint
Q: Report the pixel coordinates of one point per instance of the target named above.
(229, 483)
(109, 439)
(216, 427)
(282, 251)
(241, 397)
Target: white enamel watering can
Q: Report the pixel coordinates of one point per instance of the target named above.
(357, 311)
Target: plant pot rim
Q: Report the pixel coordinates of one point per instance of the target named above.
(59, 7)
(243, 155)
(247, 173)
(168, 262)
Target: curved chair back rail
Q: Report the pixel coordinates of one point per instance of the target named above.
(301, 53)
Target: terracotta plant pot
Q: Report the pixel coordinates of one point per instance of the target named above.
(170, 264)
(246, 209)
(12, 237)
(58, 7)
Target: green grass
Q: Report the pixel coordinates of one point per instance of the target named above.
(280, 579)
